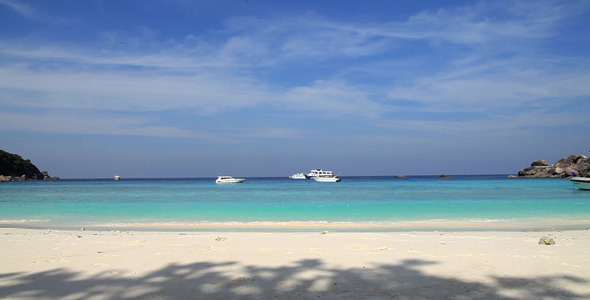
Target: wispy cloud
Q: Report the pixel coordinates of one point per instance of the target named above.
(93, 124)
(122, 91)
(498, 88)
(467, 60)
(21, 8)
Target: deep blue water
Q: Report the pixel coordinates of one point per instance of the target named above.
(383, 200)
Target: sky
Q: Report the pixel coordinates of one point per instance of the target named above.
(179, 88)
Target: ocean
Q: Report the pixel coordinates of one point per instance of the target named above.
(373, 203)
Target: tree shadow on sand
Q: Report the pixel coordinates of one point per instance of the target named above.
(306, 279)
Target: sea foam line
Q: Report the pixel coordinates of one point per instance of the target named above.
(23, 221)
(421, 225)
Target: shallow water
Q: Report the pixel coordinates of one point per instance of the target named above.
(367, 200)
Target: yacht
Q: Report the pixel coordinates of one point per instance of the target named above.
(229, 179)
(298, 176)
(117, 177)
(319, 172)
(320, 175)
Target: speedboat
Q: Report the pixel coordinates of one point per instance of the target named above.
(298, 176)
(327, 178)
(583, 183)
(229, 179)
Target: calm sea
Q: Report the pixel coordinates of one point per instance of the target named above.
(371, 200)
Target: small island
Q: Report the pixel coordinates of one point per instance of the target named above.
(15, 168)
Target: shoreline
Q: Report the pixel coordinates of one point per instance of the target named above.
(311, 226)
(83, 264)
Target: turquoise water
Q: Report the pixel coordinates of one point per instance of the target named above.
(376, 200)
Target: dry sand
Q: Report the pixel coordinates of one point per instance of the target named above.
(54, 264)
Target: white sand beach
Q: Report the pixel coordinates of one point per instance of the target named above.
(85, 264)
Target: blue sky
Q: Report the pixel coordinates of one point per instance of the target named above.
(268, 88)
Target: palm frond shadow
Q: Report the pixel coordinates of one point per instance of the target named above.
(305, 279)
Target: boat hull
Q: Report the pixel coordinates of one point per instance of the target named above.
(326, 179)
(229, 179)
(583, 183)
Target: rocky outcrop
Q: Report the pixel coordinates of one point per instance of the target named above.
(573, 165)
(14, 168)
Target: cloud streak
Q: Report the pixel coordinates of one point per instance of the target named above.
(21, 8)
(485, 58)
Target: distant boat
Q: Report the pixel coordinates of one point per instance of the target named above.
(229, 179)
(320, 175)
(298, 176)
(319, 172)
(117, 177)
(583, 183)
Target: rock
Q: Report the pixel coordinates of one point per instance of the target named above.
(573, 165)
(540, 163)
(47, 177)
(445, 175)
(536, 171)
(546, 241)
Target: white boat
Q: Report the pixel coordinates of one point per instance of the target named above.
(117, 177)
(319, 172)
(583, 183)
(298, 176)
(327, 178)
(320, 175)
(229, 179)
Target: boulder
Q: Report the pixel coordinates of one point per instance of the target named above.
(46, 176)
(532, 171)
(573, 165)
(540, 163)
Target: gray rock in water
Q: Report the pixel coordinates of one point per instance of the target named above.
(546, 241)
(573, 165)
(540, 163)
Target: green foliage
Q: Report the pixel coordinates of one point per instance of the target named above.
(14, 165)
